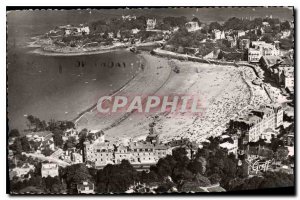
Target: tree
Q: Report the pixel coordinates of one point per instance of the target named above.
(286, 43)
(195, 19)
(14, 133)
(285, 25)
(282, 153)
(234, 23)
(195, 166)
(47, 151)
(214, 178)
(53, 184)
(36, 124)
(268, 38)
(74, 175)
(70, 143)
(57, 137)
(116, 178)
(214, 25)
(17, 146)
(25, 144)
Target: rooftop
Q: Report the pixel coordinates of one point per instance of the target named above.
(49, 166)
(39, 134)
(227, 145)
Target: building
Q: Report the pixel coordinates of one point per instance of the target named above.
(268, 134)
(289, 82)
(285, 34)
(151, 23)
(261, 48)
(49, 169)
(230, 147)
(99, 153)
(265, 24)
(39, 136)
(70, 133)
(259, 152)
(86, 187)
(135, 31)
(73, 30)
(254, 123)
(76, 158)
(122, 153)
(21, 171)
(142, 153)
(219, 34)
(192, 26)
(49, 143)
(232, 41)
(254, 55)
(280, 68)
(244, 44)
(83, 30)
(240, 33)
(128, 17)
(139, 153)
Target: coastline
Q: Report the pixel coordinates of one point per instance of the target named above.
(89, 52)
(94, 106)
(47, 49)
(113, 124)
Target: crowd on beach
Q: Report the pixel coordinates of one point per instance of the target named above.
(226, 105)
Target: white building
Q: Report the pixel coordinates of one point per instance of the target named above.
(261, 48)
(265, 24)
(76, 158)
(128, 17)
(135, 31)
(268, 134)
(241, 33)
(49, 169)
(231, 147)
(151, 23)
(289, 81)
(285, 34)
(39, 136)
(253, 124)
(192, 26)
(86, 187)
(219, 34)
(83, 30)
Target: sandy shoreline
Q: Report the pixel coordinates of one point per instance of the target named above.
(221, 98)
(100, 51)
(213, 83)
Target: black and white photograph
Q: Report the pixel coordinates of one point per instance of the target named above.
(150, 100)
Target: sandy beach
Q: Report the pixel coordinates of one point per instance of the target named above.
(221, 90)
